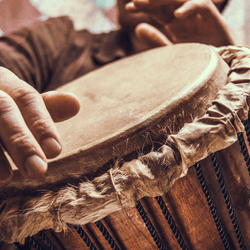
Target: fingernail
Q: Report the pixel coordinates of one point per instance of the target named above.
(35, 166)
(51, 147)
(180, 10)
(130, 5)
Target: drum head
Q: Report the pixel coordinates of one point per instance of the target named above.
(125, 97)
(145, 94)
(158, 90)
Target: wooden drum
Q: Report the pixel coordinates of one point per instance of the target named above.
(152, 161)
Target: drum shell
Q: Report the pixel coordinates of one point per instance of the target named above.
(181, 199)
(187, 205)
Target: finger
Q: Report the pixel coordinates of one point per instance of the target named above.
(5, 168)
(17, 139)
(193, 6)
(136, 6)
(34, 112)
(162, 14)
(151, 36)
(131, 7)
(147, 4)
(61, 106)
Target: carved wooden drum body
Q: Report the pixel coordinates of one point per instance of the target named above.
(138, 168)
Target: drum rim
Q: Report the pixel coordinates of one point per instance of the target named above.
(151, 118)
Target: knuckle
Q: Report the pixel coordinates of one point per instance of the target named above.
(204, 4)
(24, 96)
(6, 104)
(20, 142)
(41, 126)
(33, 110)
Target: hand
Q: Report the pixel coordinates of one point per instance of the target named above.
(192, 20)
(27, 129)
(157, 3)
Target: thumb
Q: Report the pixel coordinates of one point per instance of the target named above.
(151, 36)
(61, 106)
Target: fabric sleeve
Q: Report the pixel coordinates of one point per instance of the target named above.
(32, 53)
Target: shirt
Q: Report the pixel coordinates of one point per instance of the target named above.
(51, 53)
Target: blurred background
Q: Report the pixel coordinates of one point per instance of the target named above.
(100, 15)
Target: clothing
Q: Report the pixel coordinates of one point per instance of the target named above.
(51, 53)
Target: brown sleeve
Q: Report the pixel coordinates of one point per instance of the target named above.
(34, 53)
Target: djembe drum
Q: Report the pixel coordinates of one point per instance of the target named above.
(151, 161)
